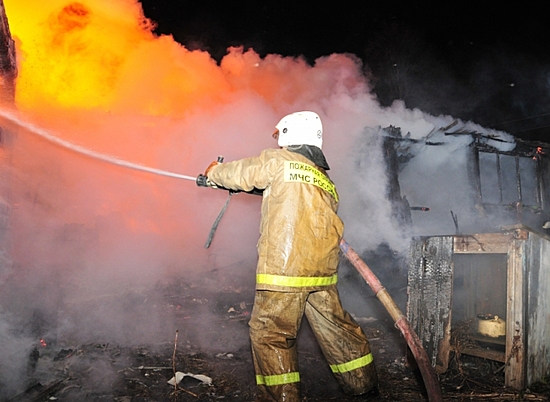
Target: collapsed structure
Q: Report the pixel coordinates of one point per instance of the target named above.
(478, 273)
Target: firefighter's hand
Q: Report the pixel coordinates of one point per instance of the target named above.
(210, 167)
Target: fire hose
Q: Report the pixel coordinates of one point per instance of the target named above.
(428, 373)
(415, 345)
(12, 117)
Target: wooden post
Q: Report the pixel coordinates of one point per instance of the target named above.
(8, 64)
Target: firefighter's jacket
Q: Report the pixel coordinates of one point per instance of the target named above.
(300, 232)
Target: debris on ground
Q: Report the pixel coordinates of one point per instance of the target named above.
(164, 371)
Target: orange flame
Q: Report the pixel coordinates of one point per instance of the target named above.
(102, 54)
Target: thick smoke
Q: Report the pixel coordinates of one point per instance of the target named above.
(89, 241)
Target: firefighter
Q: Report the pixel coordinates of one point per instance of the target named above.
(298, 250)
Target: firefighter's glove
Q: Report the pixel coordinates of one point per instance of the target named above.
(203, 180)
(210, 167)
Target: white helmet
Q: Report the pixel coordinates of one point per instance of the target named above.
(300, 128)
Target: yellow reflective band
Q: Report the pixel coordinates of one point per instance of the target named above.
(298, 172)
(280, 379)
(352, 365)
(296, 281)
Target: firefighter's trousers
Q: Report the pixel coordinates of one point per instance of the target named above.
(274, 325)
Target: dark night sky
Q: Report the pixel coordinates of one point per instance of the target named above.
(486, 61)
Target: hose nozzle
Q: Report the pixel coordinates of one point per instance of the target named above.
(202, 181)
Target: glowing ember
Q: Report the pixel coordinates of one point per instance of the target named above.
(43, 343)
(538, 153)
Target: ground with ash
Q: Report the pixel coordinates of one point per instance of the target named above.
(220, 351)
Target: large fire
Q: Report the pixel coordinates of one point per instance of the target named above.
(102, 54)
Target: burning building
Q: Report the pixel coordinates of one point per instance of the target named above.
(478, 279)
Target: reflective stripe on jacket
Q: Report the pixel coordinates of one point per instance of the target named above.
(300, 231)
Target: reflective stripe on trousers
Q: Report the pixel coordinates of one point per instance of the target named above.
(296, 281)
(352, 365)
(279, 379)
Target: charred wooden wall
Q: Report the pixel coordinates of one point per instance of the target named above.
(509, 273)
(430, 290)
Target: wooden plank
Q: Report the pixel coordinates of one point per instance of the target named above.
(501, 340)
(482, 243)
(514, 375)
(484, 353)
(522, 232)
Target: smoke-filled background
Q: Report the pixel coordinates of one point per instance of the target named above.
(96, 74)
